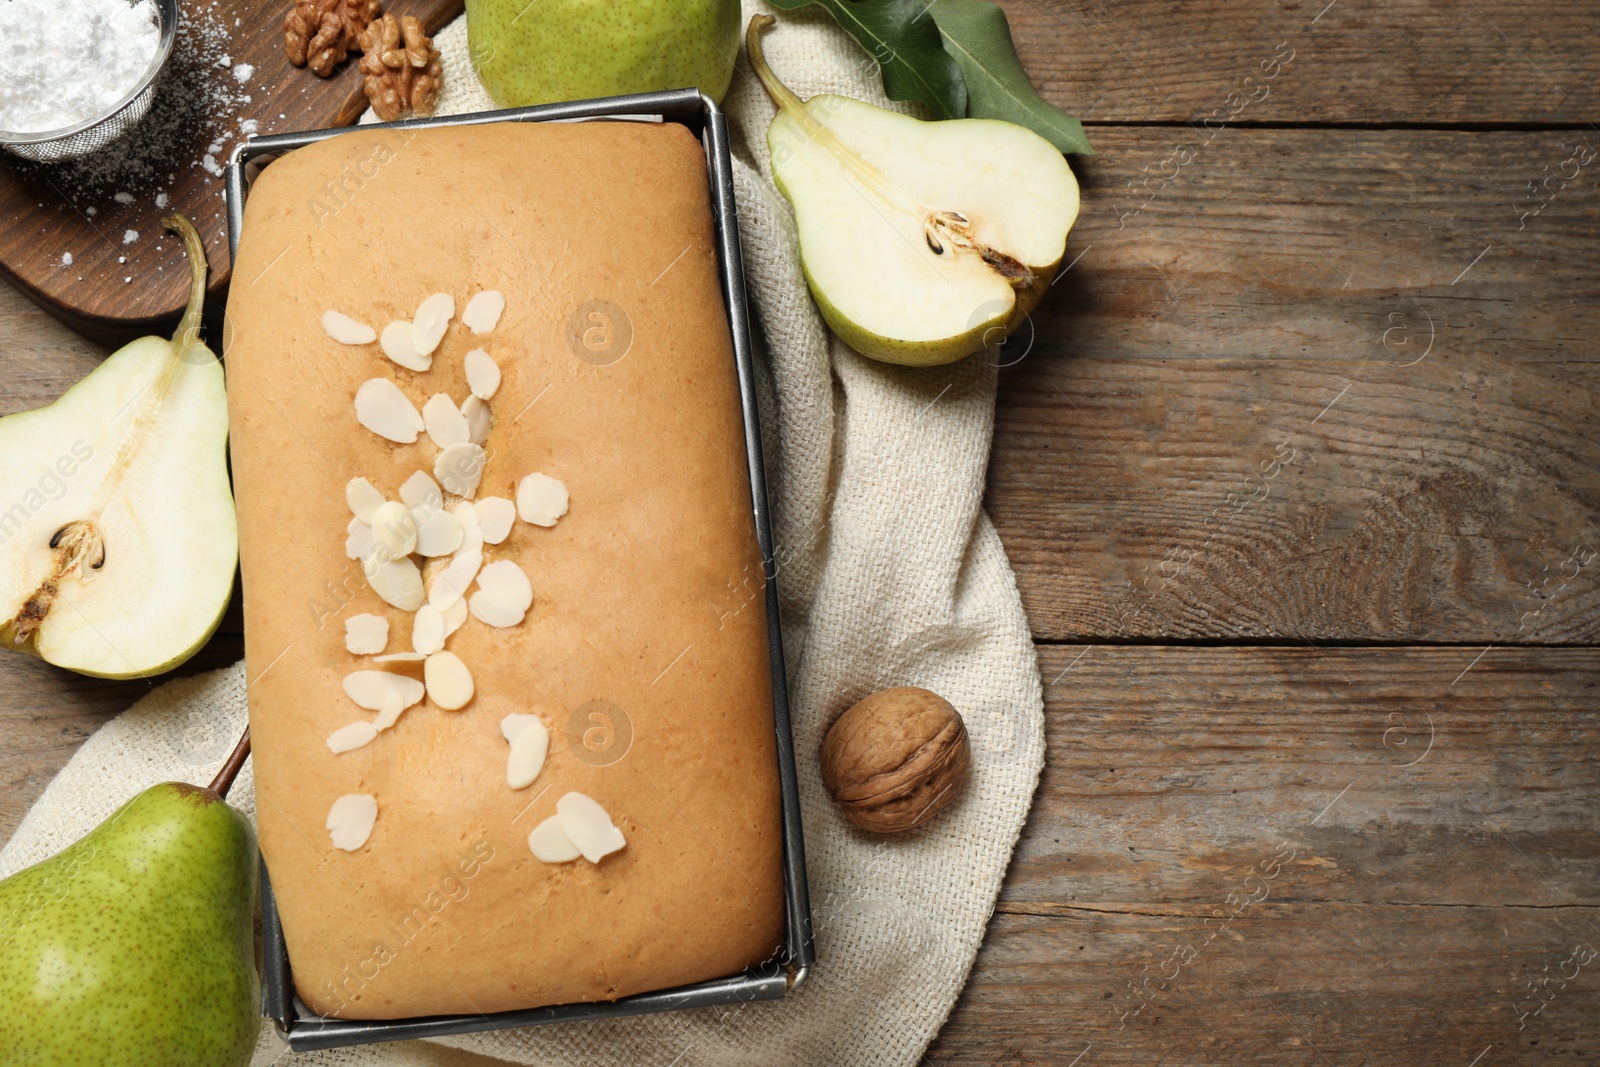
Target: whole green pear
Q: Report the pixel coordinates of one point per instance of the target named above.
(135, 946)
(543, 51)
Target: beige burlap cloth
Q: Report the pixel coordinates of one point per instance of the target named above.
(891, 574)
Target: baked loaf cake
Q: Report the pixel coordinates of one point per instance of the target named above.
(639, 672)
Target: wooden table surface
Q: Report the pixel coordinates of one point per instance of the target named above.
(1299, 478)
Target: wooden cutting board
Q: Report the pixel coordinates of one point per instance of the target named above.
(227, 76)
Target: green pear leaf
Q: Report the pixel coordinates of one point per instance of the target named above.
(908, 49)
(977, 34)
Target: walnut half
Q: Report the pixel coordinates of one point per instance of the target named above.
(321, 33)
(400, 68)
(895, 759)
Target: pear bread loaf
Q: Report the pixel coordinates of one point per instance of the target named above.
(509, 681)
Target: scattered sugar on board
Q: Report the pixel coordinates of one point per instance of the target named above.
(194, 114)
(69, 61)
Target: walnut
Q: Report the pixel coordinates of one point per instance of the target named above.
(895, 759)
(400, 68)
(321, 33)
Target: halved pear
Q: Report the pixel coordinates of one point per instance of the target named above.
(923, 242)
(118, 541)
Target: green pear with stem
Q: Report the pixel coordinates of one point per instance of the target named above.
(922, 242)
(135, 947)
(118, 542)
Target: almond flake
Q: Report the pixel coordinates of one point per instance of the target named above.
(389, 713)
(370, 689)
(588, 827)
(363, 498)
(401, 657)
(347, 738)
(541, 499)
(471, 528)
(359, 542)
(382, 408)
(504, 595)
(549, 843)
(440, 535)
(530, 742)
(397, 344)
(446, 425)
(419, 491)
(452, 583)
(427, 630)
(495, 516)
(398, 582)
(483, 374)
(350, 820)
(454, 616)
(449, 682)
(483, 311)
(432, 319)
(459, 469)
(366, 635)
(394, 529)
(347, 331)
(476, 411)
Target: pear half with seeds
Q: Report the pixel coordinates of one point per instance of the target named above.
(118, 541)
(923, 242)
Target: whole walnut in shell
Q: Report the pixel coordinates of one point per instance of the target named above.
(895, 759)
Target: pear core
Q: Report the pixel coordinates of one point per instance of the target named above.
(922, 242)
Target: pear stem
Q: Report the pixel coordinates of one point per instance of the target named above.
(230, 770)
(188, 332)
(781, 94)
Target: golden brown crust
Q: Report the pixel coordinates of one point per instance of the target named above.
(643, 592)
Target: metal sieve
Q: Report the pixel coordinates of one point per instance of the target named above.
(51, 146)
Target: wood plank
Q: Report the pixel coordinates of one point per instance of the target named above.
(1368, 852)
(1293, 398)
(1408, 61)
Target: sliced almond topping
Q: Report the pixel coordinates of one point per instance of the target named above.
(530, 742)
(483, 311)
(347, 331)
(448, 680)
(382, 408)
(432, 319)
(471, 528)
(346, 738)
(504, 595)
(427, 630)
(389, 713)
(476, 411)
(420, 491)
(401, 657)
(440, 535)
(359, 542)
(398, 345)
(366, 635)
(541, 499)
(549, 843)
(483, 374)
(398, 582)
(588, 827)
(459, 469)
(452, 583)
(495, 516)
(350, 820)
(363, 498)
(370, 689)
(394, 529)
(454, 616)
(446, 425)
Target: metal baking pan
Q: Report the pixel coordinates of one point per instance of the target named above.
(302, 1028)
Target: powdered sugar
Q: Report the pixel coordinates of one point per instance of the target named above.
(69, 61)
